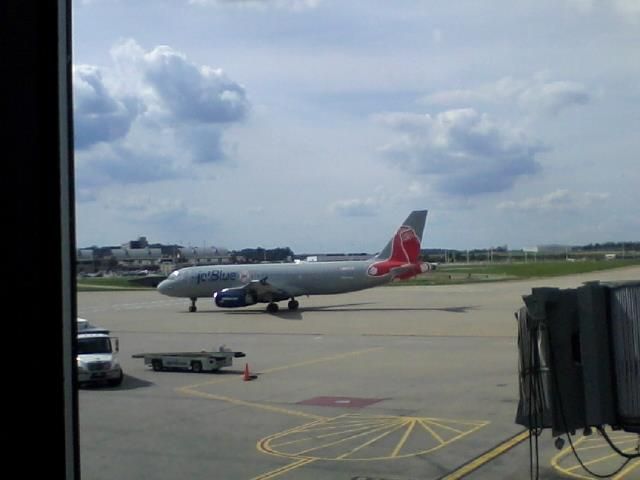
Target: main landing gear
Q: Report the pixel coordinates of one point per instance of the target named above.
(192, 307)
(273, 307)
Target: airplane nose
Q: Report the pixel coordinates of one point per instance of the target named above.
(164, 287)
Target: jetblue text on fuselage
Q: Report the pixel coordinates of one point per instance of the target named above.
(215, 275)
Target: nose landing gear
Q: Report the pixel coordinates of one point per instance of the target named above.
(192, 307)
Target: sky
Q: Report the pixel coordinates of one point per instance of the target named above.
(320, 124)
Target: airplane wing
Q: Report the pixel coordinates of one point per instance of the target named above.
(250, 293)
(265, 291)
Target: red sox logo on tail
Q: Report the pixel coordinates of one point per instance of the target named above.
(404, 261)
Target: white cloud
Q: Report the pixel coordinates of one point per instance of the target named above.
(629, 10)
(561, 199)
(355, 207)
(256, 210)
(466, 153)
(150, 211)
(295, 5)
(310, 79)
(120, 164)
(190, 93)
(99, 115)
(536, 95)
(437, 35)
(175, 89)
(582, 6)
(158, 114)
(204, 142)
(552, 97)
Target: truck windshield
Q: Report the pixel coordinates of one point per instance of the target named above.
(94, 345)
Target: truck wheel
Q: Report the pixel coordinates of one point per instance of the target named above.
(156, 365)
(196, 367)
(117, 381)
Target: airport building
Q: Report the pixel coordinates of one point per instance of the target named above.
(138, 256)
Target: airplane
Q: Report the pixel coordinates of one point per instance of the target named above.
(234, 286)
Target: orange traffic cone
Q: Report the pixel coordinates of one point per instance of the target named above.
(247, 376)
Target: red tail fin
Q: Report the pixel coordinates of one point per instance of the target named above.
(406, 246)
(400, 258)
(405, 251)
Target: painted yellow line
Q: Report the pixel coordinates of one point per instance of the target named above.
(432, 432)
(404, 438)
(602, 444)
(323, 359)
(282, 470)
(193, 389)
(461, 422)
(353, 430)
(373, 440)
(571, 471)
(564, 453)
(487, 457)
(360, 428)
(347, 425)
(244, 403)
(331, 444)
(331, 358)
(566, 472)
(298, 429)
(269, 444)
(592, 461)
(445, 427)
(633, 466)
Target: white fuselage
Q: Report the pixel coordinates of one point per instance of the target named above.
(304, 278)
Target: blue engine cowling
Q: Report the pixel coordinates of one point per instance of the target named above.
(234, 298)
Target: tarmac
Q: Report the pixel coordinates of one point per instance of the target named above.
(392, 383)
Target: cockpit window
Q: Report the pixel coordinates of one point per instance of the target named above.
(174, 275)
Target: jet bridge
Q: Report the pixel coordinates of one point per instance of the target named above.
(579, 361)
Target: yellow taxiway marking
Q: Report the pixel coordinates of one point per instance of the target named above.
(447, 427)
(342, 440)
(282, 470)
(353, 433)
(373, 429)
(591, 462)
(633, 466)
(227, 378)
(323, 359)
(373, 440)
(193, 390)
(487, 457)
(592, 444)
(260, 406)
(430, 430)
(359, 429)
(404, 438)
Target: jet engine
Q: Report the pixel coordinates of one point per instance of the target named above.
(234, 297)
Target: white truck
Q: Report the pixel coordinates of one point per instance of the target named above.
(97, 356)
